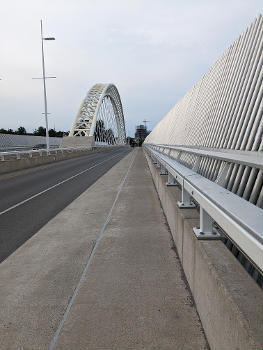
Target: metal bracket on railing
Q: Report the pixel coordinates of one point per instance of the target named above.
(18, 156)
(163, 171)
(186, 200)
(205, 231)
(2, 158)
(153, 159)
(171, 181)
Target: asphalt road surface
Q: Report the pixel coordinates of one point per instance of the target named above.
(30, 198)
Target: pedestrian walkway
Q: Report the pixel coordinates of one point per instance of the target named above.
(100, 275)
(132, 294)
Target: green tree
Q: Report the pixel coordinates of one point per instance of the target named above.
(52, 133)
(21, 131)
(40, 131)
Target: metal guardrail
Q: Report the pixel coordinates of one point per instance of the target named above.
(241, 220)
(253, 159)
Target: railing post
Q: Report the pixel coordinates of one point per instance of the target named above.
(186, 200)
(205, 231)
(171, 181)
(163, 170)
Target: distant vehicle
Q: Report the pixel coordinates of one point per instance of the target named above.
(39, 146)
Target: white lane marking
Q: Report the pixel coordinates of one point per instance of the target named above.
(54, 340)
(56, 185)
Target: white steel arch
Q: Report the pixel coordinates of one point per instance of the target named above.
(101, 115)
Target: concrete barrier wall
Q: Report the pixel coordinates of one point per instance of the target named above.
(23, 163)
(27, 162)
(228, 300)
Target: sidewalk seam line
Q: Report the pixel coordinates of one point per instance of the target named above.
(55, 338)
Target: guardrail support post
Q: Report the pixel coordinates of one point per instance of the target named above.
(171, 181)
(163, 171)
(186, 200)
(205, 231)
(153, 159)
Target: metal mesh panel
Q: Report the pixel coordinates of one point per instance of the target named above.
(223, 110)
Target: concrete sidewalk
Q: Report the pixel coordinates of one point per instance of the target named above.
(132, 294)
(63, 290)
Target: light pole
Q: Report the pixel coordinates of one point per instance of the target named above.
(44, 80)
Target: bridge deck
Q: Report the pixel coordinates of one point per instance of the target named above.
(127, 291)
(133, 295)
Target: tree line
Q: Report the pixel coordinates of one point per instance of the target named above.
(40, 131)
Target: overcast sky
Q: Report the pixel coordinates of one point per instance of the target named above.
(152, 50)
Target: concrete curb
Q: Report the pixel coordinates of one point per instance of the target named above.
(228, 300)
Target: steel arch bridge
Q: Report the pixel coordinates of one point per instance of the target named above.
(101, 115)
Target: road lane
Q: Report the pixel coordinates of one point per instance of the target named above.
(57, 185)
